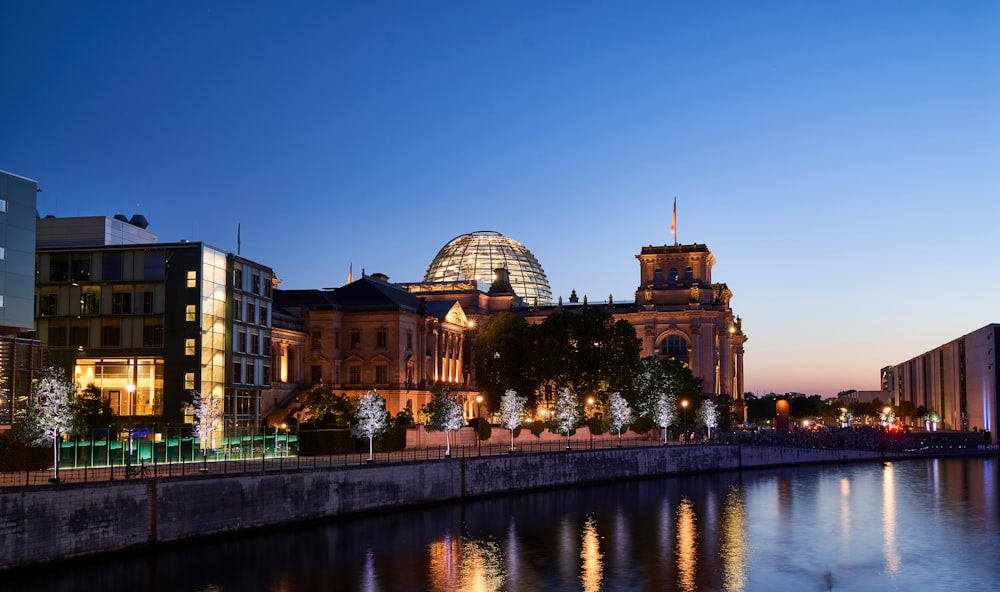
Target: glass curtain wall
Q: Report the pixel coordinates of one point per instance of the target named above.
(213, 330)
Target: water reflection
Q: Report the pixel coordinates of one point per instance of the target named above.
(892, 558)
(592, 570)
(876, 527)
(687, 550)
(734, 547)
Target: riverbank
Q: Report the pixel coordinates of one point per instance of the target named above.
(43, 524)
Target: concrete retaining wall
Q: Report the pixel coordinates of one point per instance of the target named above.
(44, 524)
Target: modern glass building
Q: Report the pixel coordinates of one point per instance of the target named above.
(475, 257)
(149, 322)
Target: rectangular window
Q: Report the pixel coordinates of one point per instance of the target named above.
(79, 336)
(380, 338)
(251, 317)
(267, 347)
(237, 373)
(121, 303)
(237, 309)
(263, 315)
(90, 303)
(152, 335)
(355, 339)
(191, 313)
(254, 343)
(249, 373)
(266, 376)
(267, 287)
(255, 284)
(47, 304)
(3, 253)
(81, 268)
(238, 278)
(189, 380)
(3, 205)
(58, 267)
(111, 266)
(147, 302)
(354, 374)
(192, 278)
(57, 336)
(189, 346)
(317, 340)
(153, 265)
(381, 374)
(111, 335)
(241, 341)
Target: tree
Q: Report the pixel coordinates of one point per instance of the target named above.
(656, 393)
(511, 410)
(50, 412)
(326, 406)
(502, 357)
(370, 419)
(444, 414)
(708, 415)
(619, 414)
(587, 352)
(207, 412)
(567, 414)
(93, 410)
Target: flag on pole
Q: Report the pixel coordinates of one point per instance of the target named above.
(673, 222)
(350, 273)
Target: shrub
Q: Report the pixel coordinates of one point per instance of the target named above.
(642, 425)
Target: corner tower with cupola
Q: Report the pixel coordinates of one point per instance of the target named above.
(680, 313)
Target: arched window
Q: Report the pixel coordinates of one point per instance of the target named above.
(673, 346)
(688, 274)
(673, 275)
(658, 276)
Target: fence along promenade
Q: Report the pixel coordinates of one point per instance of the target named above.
(261, 459)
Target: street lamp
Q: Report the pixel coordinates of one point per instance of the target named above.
(684, 405)
(590, 414)
(479, 424)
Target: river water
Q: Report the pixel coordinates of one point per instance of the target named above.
(923, 525)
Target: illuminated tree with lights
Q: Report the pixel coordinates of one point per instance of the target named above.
(708, 415)
(657, 394)
(567, 414)
(207, 413)
(511, 410)
(371, 419)
(50, 413)
(444, 414)
(619, 414)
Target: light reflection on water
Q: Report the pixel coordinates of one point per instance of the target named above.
(899, 526)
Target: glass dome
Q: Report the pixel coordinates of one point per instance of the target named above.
(474, 256)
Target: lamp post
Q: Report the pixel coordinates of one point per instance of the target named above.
(590, 423)
(479, 424)
(130, 388)
(684, 406)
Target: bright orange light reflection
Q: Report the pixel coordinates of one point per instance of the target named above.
(592, 569)
(687, 550)
(734, 545)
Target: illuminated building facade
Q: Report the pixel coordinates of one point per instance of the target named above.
(149, 322)
(370, 334)
(679, 312)
(957, 380)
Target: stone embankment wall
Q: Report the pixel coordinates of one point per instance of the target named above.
(51, 523)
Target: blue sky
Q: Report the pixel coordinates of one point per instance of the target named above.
(840, 159)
